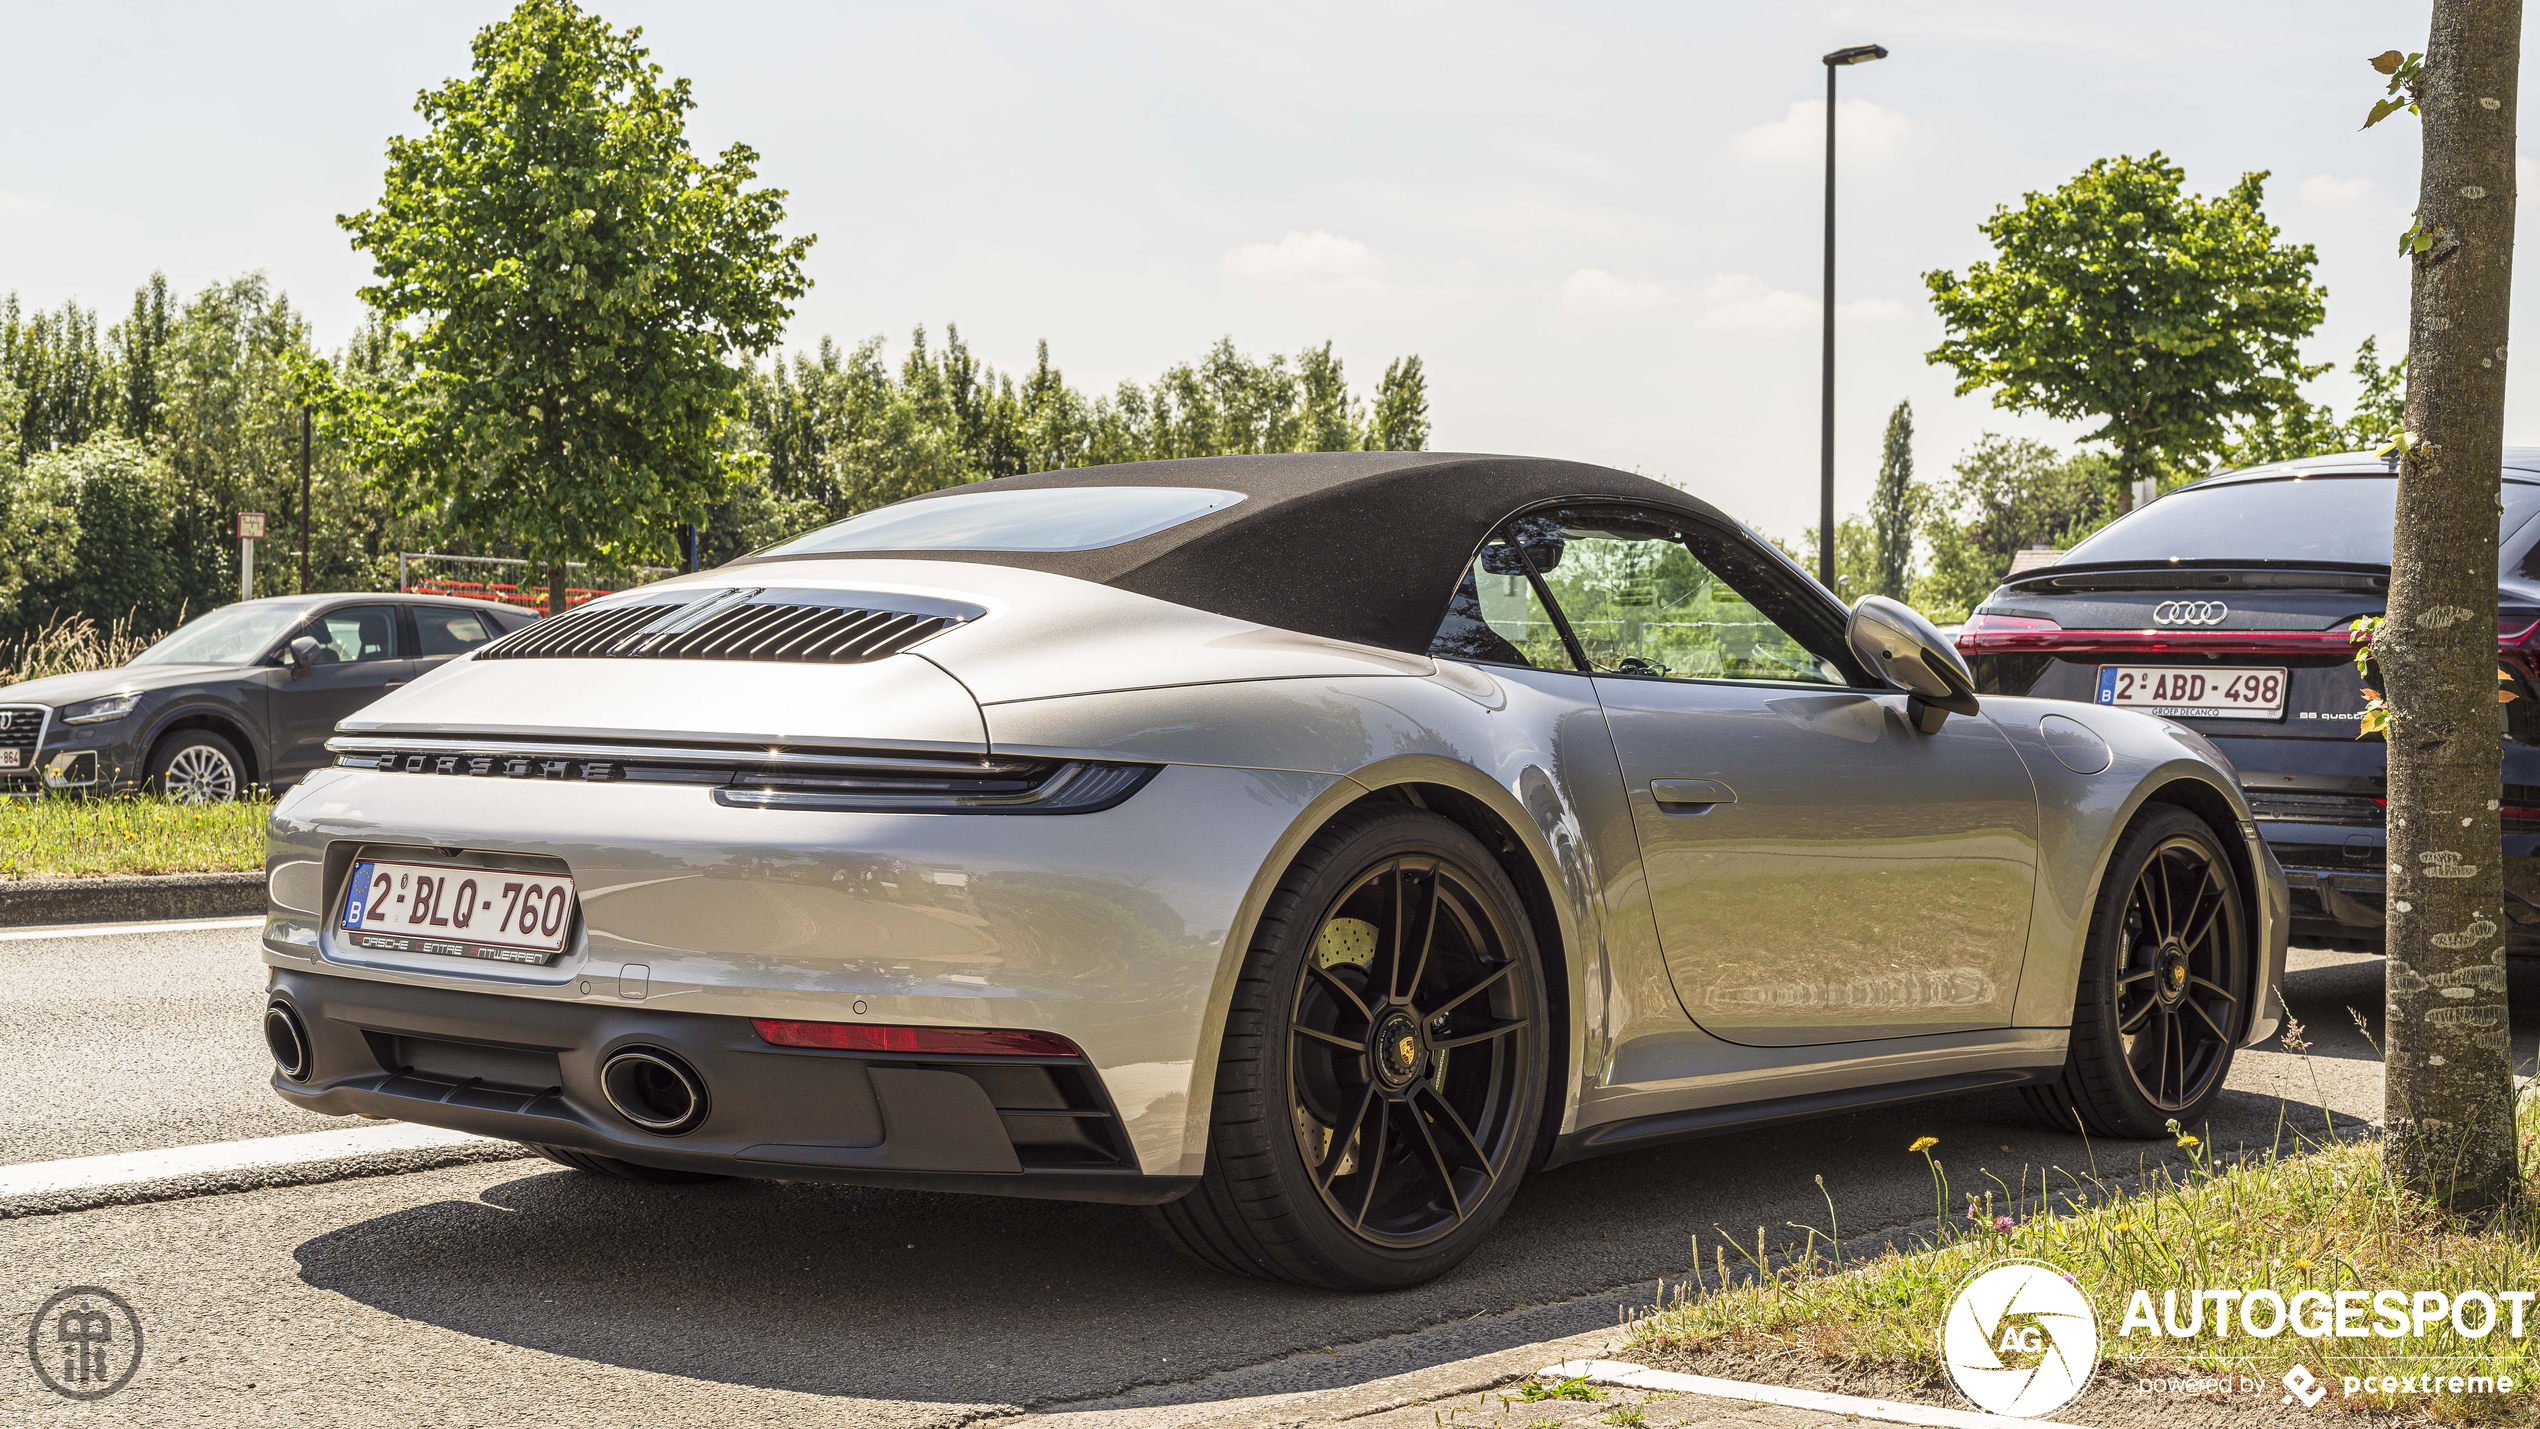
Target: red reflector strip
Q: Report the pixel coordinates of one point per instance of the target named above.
(2510, 813)
(2154, 642)
(938, 1041)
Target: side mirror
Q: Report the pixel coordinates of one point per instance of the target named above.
(1910, 651)
(301, 655)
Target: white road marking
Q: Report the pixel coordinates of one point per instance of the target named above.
(105, 930)
(1632, 1376)
(37, 1178)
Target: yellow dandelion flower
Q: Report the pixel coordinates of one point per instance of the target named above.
(2189, 1141)
(2301, 1265)
(1924, 1143)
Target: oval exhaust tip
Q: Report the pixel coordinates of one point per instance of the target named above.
(653, 1089)
(288, 1042)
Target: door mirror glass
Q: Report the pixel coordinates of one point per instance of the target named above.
(301, 655)
(1894, 639)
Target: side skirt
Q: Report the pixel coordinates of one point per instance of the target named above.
(1634, 1133)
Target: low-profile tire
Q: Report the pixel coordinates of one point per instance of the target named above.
(2165, 988)
(1382, 1081)
(196, 766)
(617, 1170)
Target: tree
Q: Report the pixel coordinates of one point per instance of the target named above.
(2168, 317)
(1401, 420)
(2448, 1089)
(1894, 505)
(2008, 495)
(584, 294)
(93, 523)
(2300, 428)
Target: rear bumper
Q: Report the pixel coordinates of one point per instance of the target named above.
(2337, 873)
(529, 1070)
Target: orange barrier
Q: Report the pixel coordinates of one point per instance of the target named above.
(535, 598)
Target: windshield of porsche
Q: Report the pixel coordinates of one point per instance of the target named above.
(1046, 518)
(2341, 520)
(237, 635)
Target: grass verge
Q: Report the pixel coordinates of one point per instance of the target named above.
(68, 838)
(2317, 1217)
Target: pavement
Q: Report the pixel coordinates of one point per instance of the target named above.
(497, 1292)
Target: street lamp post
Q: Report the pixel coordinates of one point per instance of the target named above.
(1848, 55)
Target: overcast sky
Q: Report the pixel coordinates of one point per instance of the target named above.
(1598, 224)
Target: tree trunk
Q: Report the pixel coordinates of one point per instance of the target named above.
(2448, 1101)
(555, 589)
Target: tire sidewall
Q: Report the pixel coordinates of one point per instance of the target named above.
(1408, 832)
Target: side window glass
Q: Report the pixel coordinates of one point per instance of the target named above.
(446, 631)
(1496, 618)
(364, 632)
(1642, 602)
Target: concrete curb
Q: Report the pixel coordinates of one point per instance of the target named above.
(28, 902)
(258, 1178)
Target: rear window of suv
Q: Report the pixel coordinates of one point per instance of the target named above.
(2339, 519)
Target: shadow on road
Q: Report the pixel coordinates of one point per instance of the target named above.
(948, 1299)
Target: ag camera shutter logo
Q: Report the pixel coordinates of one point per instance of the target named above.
(2020, 1340)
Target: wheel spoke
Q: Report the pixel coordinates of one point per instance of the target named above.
(1458, 1000)
(2199, 1009)
(1341, 1137)
(2214, 988)
(2128, 1025)
(2159, 873)
(2125, 982)
(1428, 934)
(1344, 1043)
(1495, 1030)
(1375, 1162)
(1446, 1173)
(1333, 981)
(1463, 1133)
(2202, 925)
(1393, 932)
(2172, 1052)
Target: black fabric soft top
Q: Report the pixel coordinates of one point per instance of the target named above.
(1359, 546)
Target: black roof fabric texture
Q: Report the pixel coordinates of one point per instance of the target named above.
(1360, 546)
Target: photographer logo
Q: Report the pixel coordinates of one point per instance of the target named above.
(2020, 1339)
(85, 1343)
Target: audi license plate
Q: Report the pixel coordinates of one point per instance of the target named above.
(9, 757)
(489, 913)
(2193, 694)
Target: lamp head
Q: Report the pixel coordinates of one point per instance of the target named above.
(1857, 54)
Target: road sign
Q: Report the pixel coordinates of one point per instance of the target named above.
(251, 525)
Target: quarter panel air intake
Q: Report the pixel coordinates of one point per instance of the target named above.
(800, 626)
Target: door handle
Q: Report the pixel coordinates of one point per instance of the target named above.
(1690, 796)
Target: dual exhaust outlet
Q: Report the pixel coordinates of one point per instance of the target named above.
(649, 1086)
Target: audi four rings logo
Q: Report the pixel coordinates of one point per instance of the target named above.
(2189, 612)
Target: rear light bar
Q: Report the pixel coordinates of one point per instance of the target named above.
(2007, 634)
(938, 1041)
(2510, 813)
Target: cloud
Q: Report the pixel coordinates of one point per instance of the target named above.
(2332, 190)
(1595, 291)
(1867, 134)
(1316, 257)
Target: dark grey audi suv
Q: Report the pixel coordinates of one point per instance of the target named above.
(2228, 606)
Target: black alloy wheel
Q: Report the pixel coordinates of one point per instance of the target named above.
(2166, 984)
(1382, 1086)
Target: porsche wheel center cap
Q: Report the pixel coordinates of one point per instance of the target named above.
(1396, 1049)
(2169, 972)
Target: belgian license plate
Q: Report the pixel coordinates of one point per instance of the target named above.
(2194, 694)
(9, 758)
(489, 913)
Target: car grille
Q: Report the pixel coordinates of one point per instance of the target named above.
(724, 628)
(2315, 808)
(774, 778)
(20, 727)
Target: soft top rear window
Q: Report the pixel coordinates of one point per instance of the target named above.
(2336, 519)
(1049, 518)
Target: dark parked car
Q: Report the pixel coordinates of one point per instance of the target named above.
(244, 696)
(2226, 606)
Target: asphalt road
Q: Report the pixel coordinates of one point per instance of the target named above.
(515, 1293)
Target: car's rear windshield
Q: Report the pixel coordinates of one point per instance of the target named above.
(2339, 519)
(235, 635)
(1045, 518)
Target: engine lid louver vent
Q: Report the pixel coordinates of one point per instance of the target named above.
(815, 627)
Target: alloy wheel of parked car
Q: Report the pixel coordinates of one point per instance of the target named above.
(2165, 984)
(1381, 1090)
(197, 767)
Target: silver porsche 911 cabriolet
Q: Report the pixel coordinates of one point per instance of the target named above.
(1305, 847)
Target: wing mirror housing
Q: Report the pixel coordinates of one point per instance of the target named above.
(1894, 639)
(301, 655)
